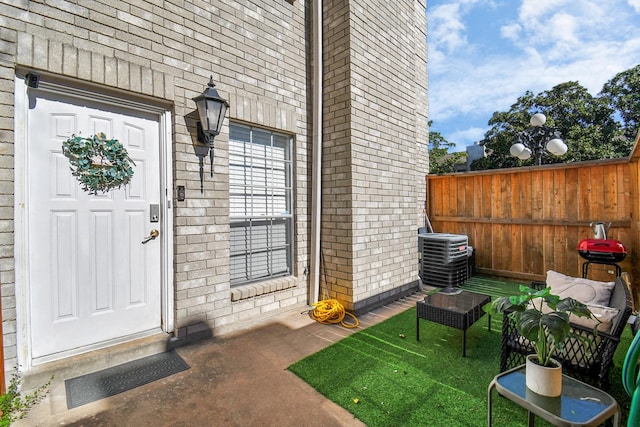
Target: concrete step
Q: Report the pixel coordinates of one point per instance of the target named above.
(95, 360)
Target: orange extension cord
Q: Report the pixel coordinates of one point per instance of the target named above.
(331, 311)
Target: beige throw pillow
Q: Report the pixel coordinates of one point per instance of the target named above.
(590, 292)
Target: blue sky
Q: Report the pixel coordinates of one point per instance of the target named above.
(484, 54)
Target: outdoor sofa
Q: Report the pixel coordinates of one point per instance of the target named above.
(592, 361)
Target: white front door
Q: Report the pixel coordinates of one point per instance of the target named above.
(90, 278)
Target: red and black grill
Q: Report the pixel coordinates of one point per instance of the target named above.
(602, 250)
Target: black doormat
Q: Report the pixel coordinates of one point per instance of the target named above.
(108, 382)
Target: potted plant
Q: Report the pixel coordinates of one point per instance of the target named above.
(544, 320)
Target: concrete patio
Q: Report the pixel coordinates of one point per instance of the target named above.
(234, 380)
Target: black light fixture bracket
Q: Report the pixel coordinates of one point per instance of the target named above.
(33, 79)
(206, 140)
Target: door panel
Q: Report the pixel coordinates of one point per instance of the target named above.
(91, 279)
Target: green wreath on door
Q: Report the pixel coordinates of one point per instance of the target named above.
(100, 164)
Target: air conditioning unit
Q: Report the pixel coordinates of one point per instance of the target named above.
(444, 259)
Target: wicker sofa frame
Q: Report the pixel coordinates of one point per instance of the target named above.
(590, 363)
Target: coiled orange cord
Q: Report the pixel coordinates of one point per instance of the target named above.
(331, 311)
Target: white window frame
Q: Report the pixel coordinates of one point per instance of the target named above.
(260, 204)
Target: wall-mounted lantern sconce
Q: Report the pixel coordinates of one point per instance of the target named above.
(211, 109)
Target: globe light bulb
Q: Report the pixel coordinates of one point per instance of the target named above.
(557, 146)
(526, 153)
(538, 119)
(517, 149)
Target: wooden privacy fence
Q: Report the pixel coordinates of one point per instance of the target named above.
(525, 221)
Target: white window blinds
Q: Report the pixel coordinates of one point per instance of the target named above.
(260, 199)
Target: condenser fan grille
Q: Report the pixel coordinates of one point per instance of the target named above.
(444, 259)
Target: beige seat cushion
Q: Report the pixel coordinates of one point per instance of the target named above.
(604, 316)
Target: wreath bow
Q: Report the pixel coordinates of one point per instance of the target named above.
(100, 164)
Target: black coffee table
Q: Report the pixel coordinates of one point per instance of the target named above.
(458, 311)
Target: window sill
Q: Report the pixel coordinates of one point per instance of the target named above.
(255, 289)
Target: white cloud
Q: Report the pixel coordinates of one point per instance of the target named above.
(534, 10)
(512, 31)
(465, 137)
(563, 27)
(447, 30)
(495, 84)
(547, 42)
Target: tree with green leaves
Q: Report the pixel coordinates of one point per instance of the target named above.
(440, 160)
(622, 93)
(586, 123)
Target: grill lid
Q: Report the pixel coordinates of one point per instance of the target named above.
(602, 250)
(602, 245)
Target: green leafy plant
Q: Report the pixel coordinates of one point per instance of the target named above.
(14, 406)
(100, 164)
(541, 317)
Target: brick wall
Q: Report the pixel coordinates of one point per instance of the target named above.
(258, 52)
(376, 138)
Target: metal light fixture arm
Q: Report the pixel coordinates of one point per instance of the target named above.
(536, 139)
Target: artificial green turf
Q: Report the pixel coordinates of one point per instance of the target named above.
(494, 287)
(398, 381)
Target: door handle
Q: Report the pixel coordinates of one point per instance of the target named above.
(152, 235)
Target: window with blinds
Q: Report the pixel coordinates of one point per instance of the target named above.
(261, 204)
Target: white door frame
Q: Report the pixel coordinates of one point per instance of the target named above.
(49, 83)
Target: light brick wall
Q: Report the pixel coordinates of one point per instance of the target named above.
(376, 134)
(257, 53)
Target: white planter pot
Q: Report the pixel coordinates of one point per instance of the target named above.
(546, 381)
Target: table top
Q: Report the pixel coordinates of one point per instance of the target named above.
(580, 403)
(460, 303)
